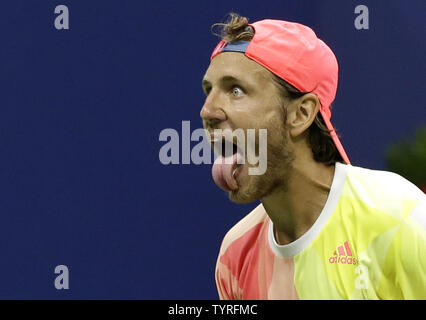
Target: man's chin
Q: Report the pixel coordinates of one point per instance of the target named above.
(239, 197)
(245, 195)
(255, 190)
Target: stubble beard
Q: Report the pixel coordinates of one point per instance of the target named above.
(276, 176)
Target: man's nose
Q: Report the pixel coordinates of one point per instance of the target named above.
(212, 111)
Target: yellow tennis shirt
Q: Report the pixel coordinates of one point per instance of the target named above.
(369, 242)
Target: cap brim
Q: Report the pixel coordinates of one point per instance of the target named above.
(335, 138)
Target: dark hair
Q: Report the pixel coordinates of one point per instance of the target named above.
(237, 28)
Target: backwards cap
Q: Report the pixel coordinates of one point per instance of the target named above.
(294, 53)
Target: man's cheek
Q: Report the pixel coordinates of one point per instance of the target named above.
(259, 158)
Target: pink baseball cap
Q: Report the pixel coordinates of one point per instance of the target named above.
(294, 53)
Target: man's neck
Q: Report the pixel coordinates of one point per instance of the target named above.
(294, 210)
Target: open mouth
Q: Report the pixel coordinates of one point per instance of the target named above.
(224, 147)
(228, 163)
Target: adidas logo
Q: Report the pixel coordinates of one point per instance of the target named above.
(343, 255)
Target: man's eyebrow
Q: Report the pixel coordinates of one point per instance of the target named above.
(223, 79)
(230, 79)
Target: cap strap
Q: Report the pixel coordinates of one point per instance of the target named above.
(235, 46)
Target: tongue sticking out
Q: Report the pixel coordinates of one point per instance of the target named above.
(222, 172)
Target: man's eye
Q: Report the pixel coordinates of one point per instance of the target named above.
(237, 91)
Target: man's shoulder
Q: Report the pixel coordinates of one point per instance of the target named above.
(381, 191)
(245, 226)
(385, 183)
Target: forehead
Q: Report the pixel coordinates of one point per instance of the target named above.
(237, 65)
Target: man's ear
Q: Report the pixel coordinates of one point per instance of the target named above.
(301, 113)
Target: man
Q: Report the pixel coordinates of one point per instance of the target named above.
(324, 229)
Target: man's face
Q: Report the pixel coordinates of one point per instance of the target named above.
(242, 95)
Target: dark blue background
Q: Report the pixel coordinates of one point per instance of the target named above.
(80, 115)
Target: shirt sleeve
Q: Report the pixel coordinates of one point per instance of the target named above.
(226, 282)
(407, 255)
